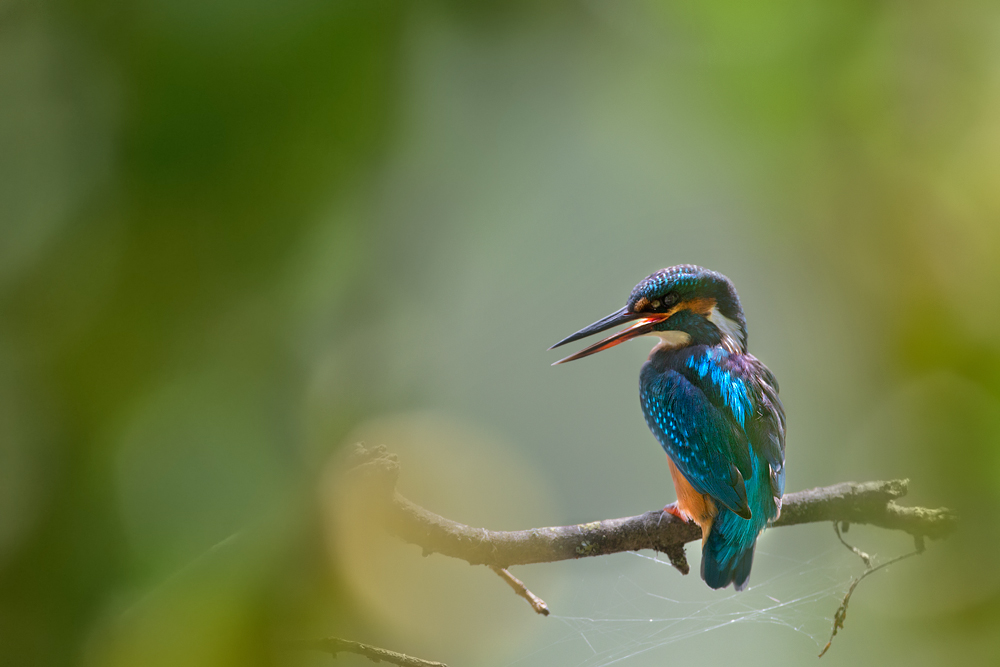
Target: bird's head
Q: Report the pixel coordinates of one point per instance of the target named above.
(682, 305)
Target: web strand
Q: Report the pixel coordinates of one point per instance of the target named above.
(618, 620)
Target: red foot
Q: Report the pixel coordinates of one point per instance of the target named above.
(673, 509)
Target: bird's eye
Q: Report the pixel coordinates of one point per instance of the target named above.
(670, 299)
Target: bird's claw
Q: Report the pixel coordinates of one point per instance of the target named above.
(673, 509)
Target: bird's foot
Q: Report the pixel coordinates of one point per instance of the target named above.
(677, 512)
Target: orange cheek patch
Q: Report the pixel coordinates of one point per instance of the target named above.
(701, 305)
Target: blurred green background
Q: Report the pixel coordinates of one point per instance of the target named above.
(236, 236)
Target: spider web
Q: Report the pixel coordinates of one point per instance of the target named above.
(625, 617)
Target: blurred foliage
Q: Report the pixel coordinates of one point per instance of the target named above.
(231, 233)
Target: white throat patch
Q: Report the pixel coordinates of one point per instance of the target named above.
(670, 340)
(728, 327)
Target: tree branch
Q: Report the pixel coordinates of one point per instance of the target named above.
(871, 503)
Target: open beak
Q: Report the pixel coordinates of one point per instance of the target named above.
(641, 323)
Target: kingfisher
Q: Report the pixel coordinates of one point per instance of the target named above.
(711, 405)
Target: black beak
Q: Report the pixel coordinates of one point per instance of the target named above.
(642, 323)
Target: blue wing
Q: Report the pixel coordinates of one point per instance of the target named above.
(707, 445)
(767, 429)
(740, 386)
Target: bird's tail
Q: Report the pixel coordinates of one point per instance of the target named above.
(727, 554)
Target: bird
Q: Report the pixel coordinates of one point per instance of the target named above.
(712, 406)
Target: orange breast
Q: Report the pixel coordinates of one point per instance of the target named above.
(697, 507)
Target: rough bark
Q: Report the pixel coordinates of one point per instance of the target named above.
(871, 503)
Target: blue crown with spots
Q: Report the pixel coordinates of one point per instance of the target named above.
(689, 281)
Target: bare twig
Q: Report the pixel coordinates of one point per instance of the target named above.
(841, 615)
(865, 558)
(537, 603)
(335, 645)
